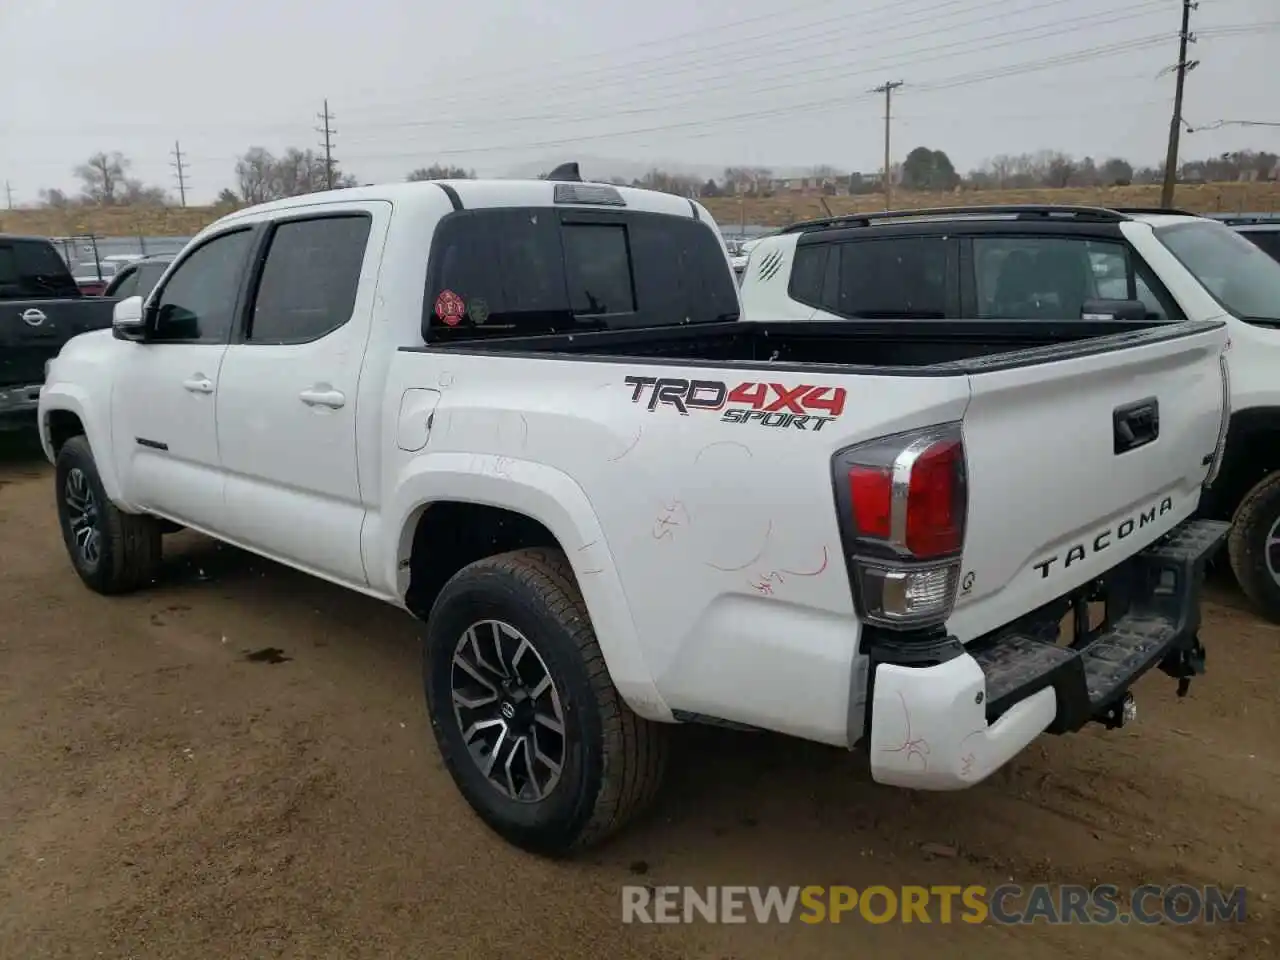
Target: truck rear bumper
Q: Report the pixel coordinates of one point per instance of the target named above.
(948, 725)
(18, 404)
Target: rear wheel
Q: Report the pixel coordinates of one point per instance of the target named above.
(1254, 546)
(112, 551)
(529, 724)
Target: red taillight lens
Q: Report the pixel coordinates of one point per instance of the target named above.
(935, 520)
(871, 493)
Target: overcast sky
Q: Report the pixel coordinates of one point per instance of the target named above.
(497, 85)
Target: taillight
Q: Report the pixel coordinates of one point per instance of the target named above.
(903, 500)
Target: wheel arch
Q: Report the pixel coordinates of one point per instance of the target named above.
(1251, 454)
(66, 412)
(454, 509)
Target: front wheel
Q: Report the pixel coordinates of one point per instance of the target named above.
(530, 726)
(112, 551)
(1254, 546)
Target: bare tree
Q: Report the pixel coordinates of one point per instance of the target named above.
(256, 176)
(103, 176)
(54, 198)
(136, 193)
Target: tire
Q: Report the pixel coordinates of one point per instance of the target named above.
(1253, 525)
(127, 553)
(612, 761)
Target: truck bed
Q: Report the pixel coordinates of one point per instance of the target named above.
(891, 347)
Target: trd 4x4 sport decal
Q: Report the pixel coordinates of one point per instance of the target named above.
(804, 407)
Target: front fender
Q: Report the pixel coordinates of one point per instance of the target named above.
(555, 500)
(69, 397)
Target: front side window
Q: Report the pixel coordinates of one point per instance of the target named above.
(1019, 277)
(309, 279)
(1238, 274)
(198, 302)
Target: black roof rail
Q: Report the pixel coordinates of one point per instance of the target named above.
(1171, 211)
(1021, 211)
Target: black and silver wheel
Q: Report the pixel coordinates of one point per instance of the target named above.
(530, 726)
(1254, 546)
(83, 519)
(509, 710)
(112, 551)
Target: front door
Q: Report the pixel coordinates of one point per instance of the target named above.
(164, 426)
(287, 393)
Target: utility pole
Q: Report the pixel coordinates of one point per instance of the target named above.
(180, 172)
(8, 193)
(328, 132)
(1175, 123)
(887, 89)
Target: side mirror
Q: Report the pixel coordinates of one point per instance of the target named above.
(127, 321)
(1128, 311)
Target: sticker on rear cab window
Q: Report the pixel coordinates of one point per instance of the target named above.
(450, 308)
(479, 310)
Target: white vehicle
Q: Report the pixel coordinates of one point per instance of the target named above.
(527, 412)
(1056, 265)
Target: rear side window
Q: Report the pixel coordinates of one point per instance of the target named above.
(1267, 240)
(900, 277)
(309, 279)
(32, 268)
(519, 271)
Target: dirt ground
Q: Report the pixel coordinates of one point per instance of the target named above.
(163, 794)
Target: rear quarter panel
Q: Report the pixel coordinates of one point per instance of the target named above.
(708, 551)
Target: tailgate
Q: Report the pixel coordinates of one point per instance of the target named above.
(33, 331)
(1076, 464)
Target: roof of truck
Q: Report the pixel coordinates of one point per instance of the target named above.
(470, 194)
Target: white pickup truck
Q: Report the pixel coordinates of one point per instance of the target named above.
(528, 413)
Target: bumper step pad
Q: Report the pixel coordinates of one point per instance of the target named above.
(1161, 627)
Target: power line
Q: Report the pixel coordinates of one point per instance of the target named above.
(1175, 122)
(864, 68)
(179, 172)
(887, 89)
(778, 74)
(328, 132)
(786, 110)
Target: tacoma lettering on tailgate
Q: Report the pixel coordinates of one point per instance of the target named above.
(1106, 538)
(804, 406)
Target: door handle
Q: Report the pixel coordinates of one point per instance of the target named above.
(199, 384)
(333, 399)
(1135, 425)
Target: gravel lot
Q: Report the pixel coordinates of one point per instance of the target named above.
(167, 789)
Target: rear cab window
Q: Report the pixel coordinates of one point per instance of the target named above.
(32, 268)
(520, 271)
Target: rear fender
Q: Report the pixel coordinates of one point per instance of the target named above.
(555, 500)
